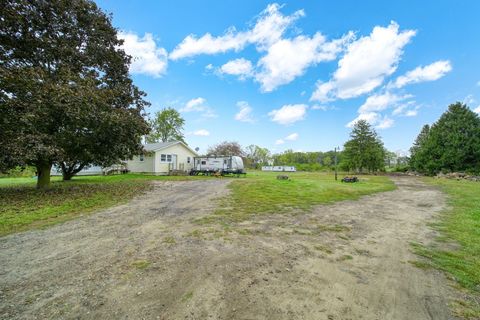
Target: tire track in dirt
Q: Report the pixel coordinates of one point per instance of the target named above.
(148, 260)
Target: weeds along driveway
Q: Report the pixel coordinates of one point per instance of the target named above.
(150, 259)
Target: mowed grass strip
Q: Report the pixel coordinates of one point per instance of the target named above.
(22, 207)
(262, 193)
(460, 224)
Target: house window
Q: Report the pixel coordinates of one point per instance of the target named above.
(204, 162)
(188, 159)
(141, 157)
(166, 158)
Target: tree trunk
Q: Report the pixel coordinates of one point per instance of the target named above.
(43, 175)
(67, 176)
(69, 170)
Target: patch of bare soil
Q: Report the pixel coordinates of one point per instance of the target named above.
(148, 259)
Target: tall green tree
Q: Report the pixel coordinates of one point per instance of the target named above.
(65, 91)
(418, 158)
(452, 143)
(167, 125)
(364, 150)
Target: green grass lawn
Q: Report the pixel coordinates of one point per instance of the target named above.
(22, 207)
(460, 224)
(262, 193)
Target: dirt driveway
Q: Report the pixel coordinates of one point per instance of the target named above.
(149, 260)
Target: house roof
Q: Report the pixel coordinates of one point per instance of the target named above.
(162, 145)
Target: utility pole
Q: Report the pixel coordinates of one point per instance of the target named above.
(335, 161)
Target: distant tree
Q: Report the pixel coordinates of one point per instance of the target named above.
(390, 158)
(364, 150)
(257, 156)
(167, 125)
(226, 148)
(327, 161)
(64, 85)
(418, 157)
(451, 144)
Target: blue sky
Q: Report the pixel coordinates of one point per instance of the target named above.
(296, 74)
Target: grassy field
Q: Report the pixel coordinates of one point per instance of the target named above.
(23, 207)
(262, 193)
(460, 225)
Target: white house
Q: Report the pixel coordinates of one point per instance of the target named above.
(161, 157)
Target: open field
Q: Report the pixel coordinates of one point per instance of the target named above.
(173, 253)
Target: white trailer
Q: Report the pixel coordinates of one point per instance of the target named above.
(217, 165)
(279, 168)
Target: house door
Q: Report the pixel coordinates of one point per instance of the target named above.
(174, 162)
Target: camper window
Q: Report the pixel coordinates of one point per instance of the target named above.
(204, 162)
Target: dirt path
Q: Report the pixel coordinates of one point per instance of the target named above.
(148, 260)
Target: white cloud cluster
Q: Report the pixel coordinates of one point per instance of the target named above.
(201, 133)
(431, 72)
(374, 118)
(198, 105)
(290, 137)
(245, 112)
(376, 103)
(270, 26)
(477, 110)
(379, 102)
(288, 59)
(288, 114)
(239, 67)
(284, 58)
(366, 63)
(147, 58)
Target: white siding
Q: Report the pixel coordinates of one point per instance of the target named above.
(182, 154)
(147, 165)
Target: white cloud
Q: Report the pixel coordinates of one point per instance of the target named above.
(374, 118)
(288, 114)
(288, 59)
(366, 63)
(370, 117)
(406, 109)
(385, 123)
(147, 58)
(431, 72)
(269, 28)
(292, 137)
(469, 99)
(244, 114)
(239, 67)
(477, 110)
(323, 107)
(379, 102)
(201, 133)
(279, 141)
(199, 105)
(209, 67)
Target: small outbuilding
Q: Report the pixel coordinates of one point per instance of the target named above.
(162, 158)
